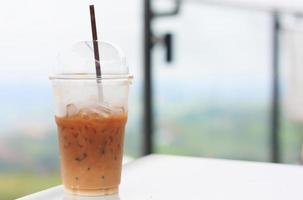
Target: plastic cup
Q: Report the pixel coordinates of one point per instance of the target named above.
(91, 115)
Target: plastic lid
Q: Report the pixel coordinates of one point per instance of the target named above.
(79, 62)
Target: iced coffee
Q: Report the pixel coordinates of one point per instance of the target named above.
(91, 114)
(91, 149)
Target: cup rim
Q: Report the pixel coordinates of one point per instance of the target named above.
(90, 76)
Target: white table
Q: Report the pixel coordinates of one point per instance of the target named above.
(160, 177)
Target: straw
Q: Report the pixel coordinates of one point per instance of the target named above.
(96, 49)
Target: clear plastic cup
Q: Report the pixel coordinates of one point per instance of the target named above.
(91, 115)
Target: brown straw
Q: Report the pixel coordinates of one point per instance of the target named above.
(95, 41)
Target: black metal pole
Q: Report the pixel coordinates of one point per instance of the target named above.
(275, 109)
(148, 97)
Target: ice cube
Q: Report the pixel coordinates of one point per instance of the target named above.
(87, 112)
(117, 110)
(100, 110)
(71, 110)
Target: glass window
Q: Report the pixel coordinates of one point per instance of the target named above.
(214, 99)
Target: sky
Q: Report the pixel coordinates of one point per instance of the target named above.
(218, 52)
(34, 32)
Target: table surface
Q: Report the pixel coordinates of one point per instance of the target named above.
(161, 177)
